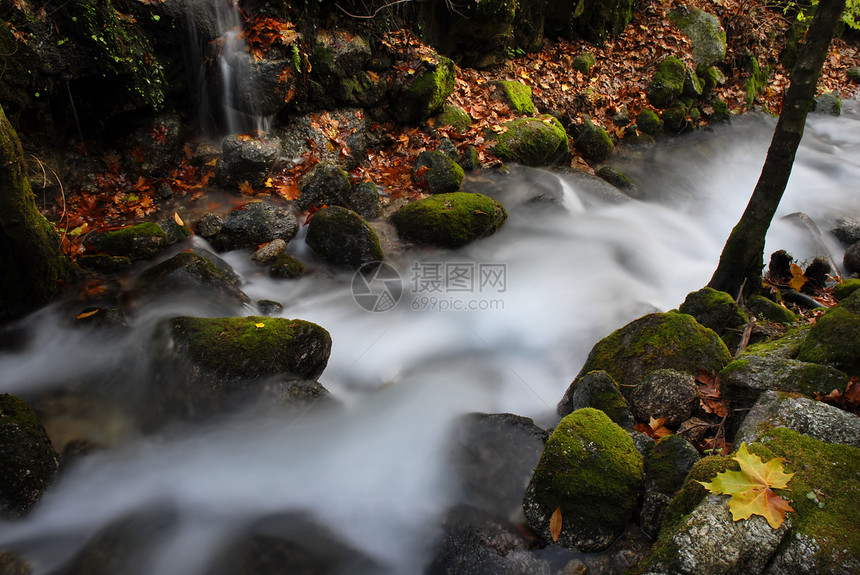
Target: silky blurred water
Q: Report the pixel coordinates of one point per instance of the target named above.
(374, 472)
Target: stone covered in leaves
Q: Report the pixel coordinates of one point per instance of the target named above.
(28, 462)
(597, 389)
(670, 340)
(342, 238)
(538, 141)
(137, 242)
(437, 172)
(591, 471)
(449, 220)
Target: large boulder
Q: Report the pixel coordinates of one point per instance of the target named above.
(670, 340)
(247, 159)
(516, 95)
(28, 462)
(834, 340)
(591, 471)
(449, 220)
(341, 237)
(339, 137)
(248, 226)
(538, 141)
(594, 142)
(705, 32)
(338, 55)
(327, 184)
(437, 172)
(718, 311)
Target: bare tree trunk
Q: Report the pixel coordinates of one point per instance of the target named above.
(31, 264)
(742, 259)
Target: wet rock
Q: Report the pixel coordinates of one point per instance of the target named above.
(667, 83)
(337, 56)
(583, 63)
(28, 462)
(827, 103)
(247, 159)
(746, 378)
(364, 200)
(347, 151)
(176, 229)
(455, 117)
(269, 307)
(597, 389)
(104, 263)
(423, 93)
(137, 242)
(811, 418)
(13, 565)
(649, 122)
(287, 267)
(718, 311)
(341, 237)
(834, 340)
(534, 142)
(437, 172)
(666, 467)
(664, 393)
(101, 318)
(328, 184)
(516, 95)
(449, 220)
(593, 189)
(620, 180)
(269, 252)
(594, 143)
(248, 226)
(261, 86)
(188, 273)
(705, 32)
(851, 260)
(155, 149)
(494, 456)
(595, 506)
(670, 340)
(475, 542)
(847, 231)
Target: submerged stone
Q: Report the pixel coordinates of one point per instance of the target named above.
(449, 220)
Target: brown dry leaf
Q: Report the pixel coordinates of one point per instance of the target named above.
(178, 220)
(555, 524)
(245, 188)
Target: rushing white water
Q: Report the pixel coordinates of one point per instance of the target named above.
(374, 473)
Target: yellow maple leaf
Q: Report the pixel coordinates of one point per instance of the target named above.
(750, 488)
(797, 278)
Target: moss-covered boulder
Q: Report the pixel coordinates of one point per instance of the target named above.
(846, 288)
(425, 91)
(538, 141)
(453, 116)
(768, 310)
(516, 95)
(591, 471)
(667, 85)
(449, 220)
(667, 464)
(593, 20)
(834, 340)
(242, 349)
(593, 142)
(341, 237)
(699, 535)
(598, 390)
(718, 311)
(583, 62)
(670, 340)
(711, 78)
(287, 267)
(28, 462)
(138, 242)
(757, 79)
(437, 172)
(705, 32)
(649, 122)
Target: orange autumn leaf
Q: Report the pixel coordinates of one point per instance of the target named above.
(555, 524)
(797, 278)
(178, 220)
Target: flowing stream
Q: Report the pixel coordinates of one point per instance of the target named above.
(373, 475)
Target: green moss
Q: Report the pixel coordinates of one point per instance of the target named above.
(591, 469)
(518, 96)
(104, 263)
(455, 117)
(584, 63)
(846, 288)
(538, 141)
(255, 346)
(137, 242)
(287, 267)
(667, 83)
(594, 143)
(835, 340)
(718, 311)
(428, 91)
(449, 220)
(437, 172)
(669, 340)
(757, 80)
(787, 345)
(649, 122)
(712, 77)
(766, 309)
(675, 119)
(705, 32)
(668, 462)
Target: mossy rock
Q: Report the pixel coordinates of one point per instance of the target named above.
(705, 32)
(712, 77)
(138, 242)
(827, 103)
(426, 92)
(449, 220)
(757, 81)
(518, 96)
(328, 184)
(667, 85)
(854, 74)
(28, 462)
(670, 340)
(598, 390)
(594, 143)
(591, 470)
(247, 348)
(649, 122)
(718, 311)
(583, 63)
(835, 338)
(693, 85)
(763, 308)
(341, 237)
(287, 267)
(675, 119)
(846, 288)
(453, 116)
(667, 464)
(539, 141)
(437, 172)
(104, 263)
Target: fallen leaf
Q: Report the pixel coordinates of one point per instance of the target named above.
(555, 524)
(178, 220)
(797, 278)
(87, 314)
(259, 325)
